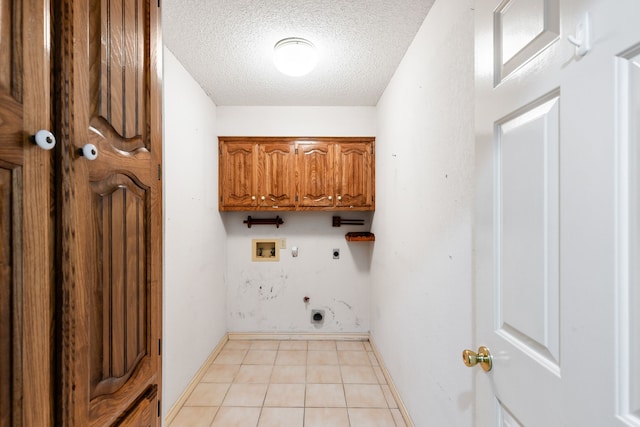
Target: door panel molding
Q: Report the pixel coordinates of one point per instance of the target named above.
(628, 236)
(505, 417)
(119, 336)
(11, 50)
(123, 76)
(522, 31)
(527, 228)
(11, 285)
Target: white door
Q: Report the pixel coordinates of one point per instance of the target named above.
(557, 213)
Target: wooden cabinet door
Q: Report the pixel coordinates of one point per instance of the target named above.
(354, 175)
(110, 208)
(315, 164)
(237, 177)
(276, 175)
(26, 223)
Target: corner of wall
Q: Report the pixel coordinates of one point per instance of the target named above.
(194, 235)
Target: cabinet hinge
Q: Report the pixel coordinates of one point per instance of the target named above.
(296, 150)
(158, 407)
(296, 199)
(158, 3)
(159, 346)
(159, 172)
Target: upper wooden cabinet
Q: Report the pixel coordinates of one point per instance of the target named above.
(287, 173)
(257, 175)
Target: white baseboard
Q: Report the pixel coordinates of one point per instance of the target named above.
(392, 387)
(194, 382)
(296, 336)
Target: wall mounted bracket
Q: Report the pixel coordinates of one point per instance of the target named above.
(277, 221)
(338, 221)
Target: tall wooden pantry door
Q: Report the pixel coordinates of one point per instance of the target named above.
(108, 95)
(26, 222)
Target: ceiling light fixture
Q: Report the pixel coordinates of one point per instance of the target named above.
(294, 56)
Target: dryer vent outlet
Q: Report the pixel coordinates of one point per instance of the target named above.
(317, 316)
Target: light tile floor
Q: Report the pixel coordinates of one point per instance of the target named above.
(292, 384)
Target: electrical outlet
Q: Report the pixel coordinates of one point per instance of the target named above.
(336, 253)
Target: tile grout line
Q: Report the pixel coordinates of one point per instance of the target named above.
(369, 350)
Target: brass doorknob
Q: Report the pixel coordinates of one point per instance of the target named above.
(482, 357)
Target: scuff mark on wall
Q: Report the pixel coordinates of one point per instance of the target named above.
(271, 289)
(243, 315)
(274, 295)
(349, 306)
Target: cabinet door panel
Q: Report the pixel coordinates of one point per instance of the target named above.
(26, 222)
(110, 207)
(315, 174)
(276, 175)
(237, 178)
(354, 185)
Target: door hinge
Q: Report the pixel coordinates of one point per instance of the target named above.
(159, 172)
(159, 346)
(158, 407)
(158, 3)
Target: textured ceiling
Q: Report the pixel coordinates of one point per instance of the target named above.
(226, 45)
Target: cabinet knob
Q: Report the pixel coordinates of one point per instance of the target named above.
(89, 151)
(330, 198)
(262, 198)
(44, 139)
(339, 198)
(253, 197)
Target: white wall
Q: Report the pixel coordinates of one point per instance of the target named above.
(297, 121)
(421, 269)
(268, 296)
(194, 236)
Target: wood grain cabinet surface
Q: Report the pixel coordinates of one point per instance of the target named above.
(257, 175)
(108, 94)
(290, 173)
(81, 239)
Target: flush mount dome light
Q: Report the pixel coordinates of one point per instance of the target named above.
(294, 56)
